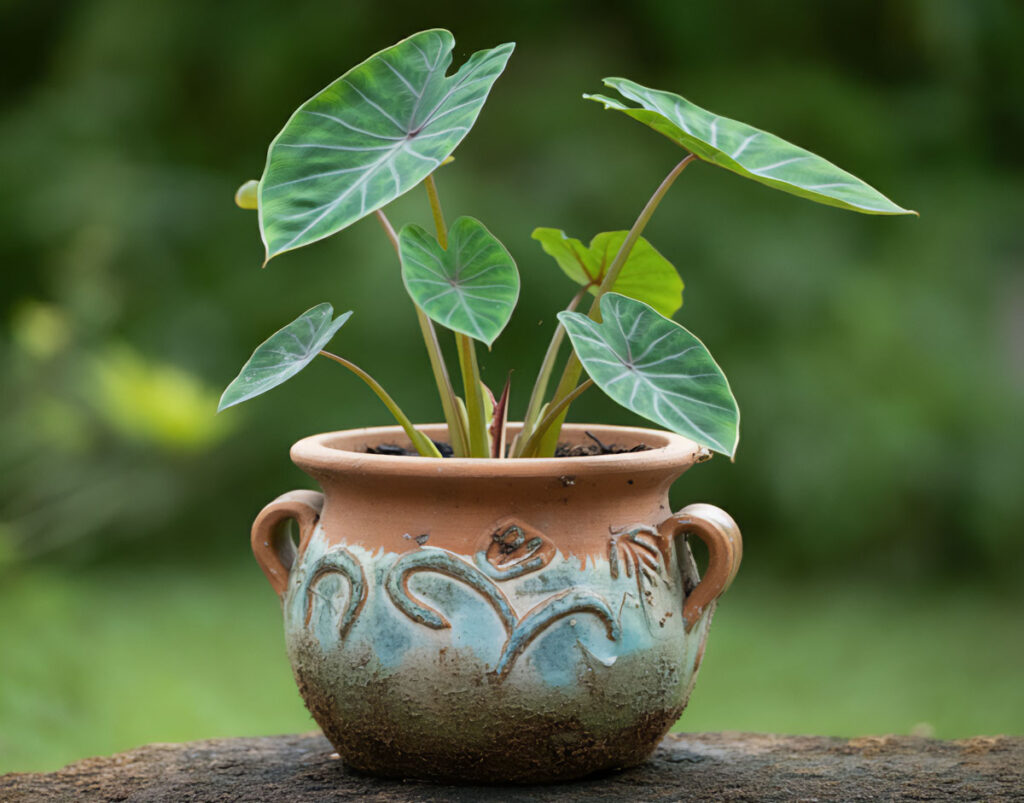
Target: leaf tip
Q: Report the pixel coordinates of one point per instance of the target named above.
(597, 99)
(900, 210)
(735, 448)
(736, 441)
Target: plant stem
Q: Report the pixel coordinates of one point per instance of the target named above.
(435, 208)
(547, 367)
(456, 433)
(531, 446)
(573, 367)
(634, 234)
(389, 230)
(479, 443)
(423, 444)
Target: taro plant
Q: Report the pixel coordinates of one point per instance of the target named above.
(385, 127)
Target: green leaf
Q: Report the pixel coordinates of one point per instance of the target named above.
(748, 151)
(654, 367)
(284, 354)
(370, 136)
(572, 256)
(471, 288)
(647, 276)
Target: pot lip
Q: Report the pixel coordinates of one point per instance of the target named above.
(318, 454)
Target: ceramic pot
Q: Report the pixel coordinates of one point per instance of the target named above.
(494, 620)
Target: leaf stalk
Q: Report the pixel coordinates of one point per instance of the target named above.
(547, 367)
(479, 445)
(456, 432)
(435, 209)
(476, 413)
(557, 410)
(573, 367)
(612, 275)
(423, 444)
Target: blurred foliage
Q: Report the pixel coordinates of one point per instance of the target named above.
(878, 363)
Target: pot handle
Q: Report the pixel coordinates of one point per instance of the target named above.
(271, 543)
(719, 532)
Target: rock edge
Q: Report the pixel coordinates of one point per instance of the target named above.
(685, 767)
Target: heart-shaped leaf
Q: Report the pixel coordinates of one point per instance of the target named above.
(472, 287)
(654, 367)
(282, 355)
(370, 136)
(647, 276)
(748, 151)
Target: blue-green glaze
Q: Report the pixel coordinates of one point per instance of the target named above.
(565, 639)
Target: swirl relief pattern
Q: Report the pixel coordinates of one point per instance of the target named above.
(337, 561)
(511, 549)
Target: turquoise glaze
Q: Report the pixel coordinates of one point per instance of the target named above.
(579, 619)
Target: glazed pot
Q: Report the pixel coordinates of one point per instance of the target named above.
(494, 620)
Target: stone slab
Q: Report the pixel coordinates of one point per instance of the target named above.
(686, 767)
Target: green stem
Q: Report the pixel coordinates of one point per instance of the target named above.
(547, 367)
(456, 432)
(479, 445)
(423, 444)
(639, 225)
(476, 413)
(534, 441)
(435, 208)
(573, 368)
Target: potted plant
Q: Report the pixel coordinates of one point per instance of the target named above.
(462, 603)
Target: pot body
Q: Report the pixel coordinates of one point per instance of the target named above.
(494, 620)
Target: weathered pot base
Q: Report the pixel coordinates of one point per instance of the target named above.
(513, 621)
(538, 750)
(532, 756)
(444, 735)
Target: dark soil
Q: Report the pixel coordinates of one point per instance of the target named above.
(395, 450)
(595, 448)
(562, 450)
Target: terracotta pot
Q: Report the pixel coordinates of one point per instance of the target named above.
(494, 620)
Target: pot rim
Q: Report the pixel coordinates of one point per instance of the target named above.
(322, 453)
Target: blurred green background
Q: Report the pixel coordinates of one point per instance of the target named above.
(879, 363)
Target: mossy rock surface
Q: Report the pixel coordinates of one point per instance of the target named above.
(714, 766)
